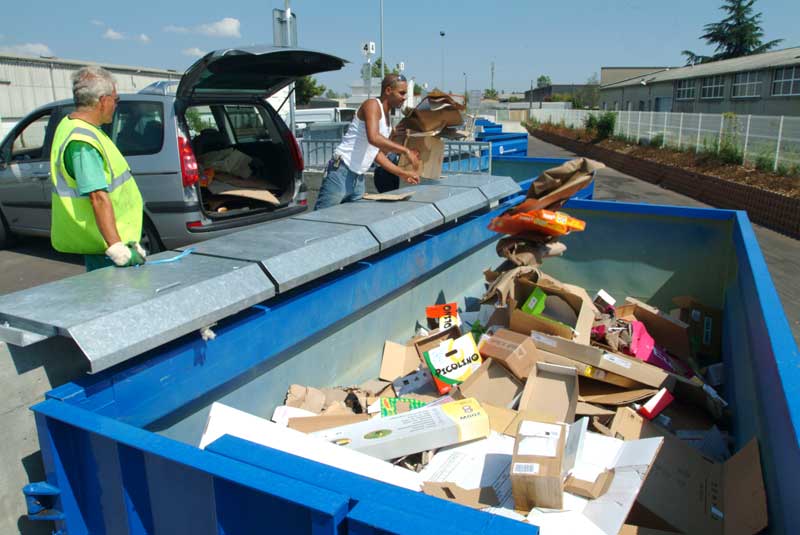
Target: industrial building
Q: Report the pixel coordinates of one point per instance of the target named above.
(761, 84)
(28, 82)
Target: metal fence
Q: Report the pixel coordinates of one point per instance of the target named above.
(765, 141)
(460, 157)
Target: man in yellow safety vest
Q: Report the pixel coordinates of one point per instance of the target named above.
(97, 207)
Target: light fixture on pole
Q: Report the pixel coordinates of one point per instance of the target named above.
(441, 34)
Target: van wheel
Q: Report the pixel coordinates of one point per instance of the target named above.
(150, 240)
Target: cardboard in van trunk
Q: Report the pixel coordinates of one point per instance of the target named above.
(550, 394)
(621, 365)
(693, 494)
(575, 296)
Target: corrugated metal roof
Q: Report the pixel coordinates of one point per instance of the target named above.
(778, 58)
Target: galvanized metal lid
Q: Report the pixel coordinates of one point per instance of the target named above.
(389, 222)
(115, 314)
(295, 252)
(493, 187)
(451, 202)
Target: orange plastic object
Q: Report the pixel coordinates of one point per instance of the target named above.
(544, 221)
(207, 177)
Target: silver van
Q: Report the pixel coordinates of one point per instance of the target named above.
(172, 138)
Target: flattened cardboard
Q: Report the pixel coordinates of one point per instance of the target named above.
(492, 383)
(305, 397)
(631, 368)
(501, 419)
(629, 529)
(479, 498)
(605, 394)
(585, 370)
(398, 361)
(605, 515)
(515, 351)
(388, 197)
(668, 332)
(587, 409)
(550, 394)
(575, 296)
(374, 387)
(694, 495)
(224, 420)
(311, 424)
(590, 489)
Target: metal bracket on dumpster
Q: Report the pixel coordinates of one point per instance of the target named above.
(40, 499)
(19, 337)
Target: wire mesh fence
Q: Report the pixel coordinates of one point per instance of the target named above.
(767, 142)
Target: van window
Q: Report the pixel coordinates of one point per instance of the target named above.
(246, 122)
(137, 128)
(200, 118)
(29, 142)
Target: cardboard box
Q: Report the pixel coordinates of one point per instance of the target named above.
(536, 467)
(453, 361)
(705, 326)
(411, 432)
(476, 467)
(668, 332)
(692, 494)
(431, 153)
(550, 394)
(224, 420)
(515, 351)
(630, 461)
(605, 394)
(590, 489)
(575, 296)
(491, 383)
(619, 364)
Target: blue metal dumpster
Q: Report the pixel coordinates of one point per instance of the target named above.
(506, 143)
(119, 445)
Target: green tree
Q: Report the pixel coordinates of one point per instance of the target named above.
(543, 81)
(738, 34)
(490, 93)
(332, 94)
(306, 88)
(376, 69)
(589, 95)
(417, 89)
(196, 123)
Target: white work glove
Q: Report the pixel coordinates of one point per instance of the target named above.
(125, 255)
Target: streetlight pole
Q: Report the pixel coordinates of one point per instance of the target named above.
(441, 34)
(465, 88)
(383, 57)
(288, 12)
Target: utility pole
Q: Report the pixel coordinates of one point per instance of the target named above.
(465, 88)
(288, 13)
(530, 100)
(492, 83)
(383, 57)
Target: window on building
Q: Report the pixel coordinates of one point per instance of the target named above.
(684, 90)
(747, 84)
(786, 81)
(712, 87)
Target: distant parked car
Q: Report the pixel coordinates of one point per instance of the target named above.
(163, 131)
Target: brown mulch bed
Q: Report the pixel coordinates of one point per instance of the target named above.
(785, 185)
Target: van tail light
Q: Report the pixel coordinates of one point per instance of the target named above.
(189, 171)
(294, 148)
(193, 224)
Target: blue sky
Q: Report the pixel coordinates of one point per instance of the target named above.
(566, 40)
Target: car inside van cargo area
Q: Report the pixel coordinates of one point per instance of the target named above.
(244, 163)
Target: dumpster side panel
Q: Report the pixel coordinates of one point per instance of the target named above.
(111, 480)
(764, 377)
(521, 169)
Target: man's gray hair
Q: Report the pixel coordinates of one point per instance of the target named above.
(89, 84)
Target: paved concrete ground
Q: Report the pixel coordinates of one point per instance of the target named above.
(781, 253)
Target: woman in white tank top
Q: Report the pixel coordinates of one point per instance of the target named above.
(366, 141)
